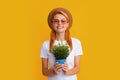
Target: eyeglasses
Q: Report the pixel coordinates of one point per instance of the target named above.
(56, 21)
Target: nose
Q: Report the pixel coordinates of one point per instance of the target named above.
(59, 22)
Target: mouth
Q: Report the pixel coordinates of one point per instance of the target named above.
(60, 27)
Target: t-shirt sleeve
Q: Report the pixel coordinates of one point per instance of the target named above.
(78, 48)
(43, 51)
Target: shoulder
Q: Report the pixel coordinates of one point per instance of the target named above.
(46, 43)
(75, 40)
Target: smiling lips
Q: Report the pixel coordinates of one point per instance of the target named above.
(60, 27)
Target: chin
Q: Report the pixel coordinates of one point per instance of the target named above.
(60, 31)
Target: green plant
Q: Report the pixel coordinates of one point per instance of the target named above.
(60, 51)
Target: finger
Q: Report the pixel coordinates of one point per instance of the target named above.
(64, 69)
(65, 62)
(65, 66)
(57, 68)
(57, 65)
(56, 71)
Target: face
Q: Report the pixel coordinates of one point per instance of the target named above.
(59, 23)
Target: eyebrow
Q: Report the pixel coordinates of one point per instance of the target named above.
(60, 19)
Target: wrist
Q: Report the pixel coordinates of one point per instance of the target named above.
(53, 71)
(67, 72)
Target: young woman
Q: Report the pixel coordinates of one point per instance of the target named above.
(60, 21)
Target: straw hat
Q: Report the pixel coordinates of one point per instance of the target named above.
(64, 11)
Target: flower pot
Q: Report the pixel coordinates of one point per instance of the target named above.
(61, 61)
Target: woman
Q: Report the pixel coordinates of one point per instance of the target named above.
(60, 21)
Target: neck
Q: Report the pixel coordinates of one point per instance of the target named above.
(60, 36)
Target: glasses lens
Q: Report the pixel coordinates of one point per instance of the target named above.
(56, 21)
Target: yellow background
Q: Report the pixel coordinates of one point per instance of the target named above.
(23, 28)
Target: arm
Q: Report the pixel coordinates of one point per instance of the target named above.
(73, 70)
(49, 72)
(45, 70)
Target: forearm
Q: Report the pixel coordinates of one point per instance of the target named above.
(48, 72)
(73, 71)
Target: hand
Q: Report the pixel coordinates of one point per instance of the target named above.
(57, 67)
(65, 67)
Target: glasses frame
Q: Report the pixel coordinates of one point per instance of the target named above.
(57, 21)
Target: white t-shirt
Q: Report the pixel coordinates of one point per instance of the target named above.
(77, 50)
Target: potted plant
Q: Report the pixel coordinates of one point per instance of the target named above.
(60, 52)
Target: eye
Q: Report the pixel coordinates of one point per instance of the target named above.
(55, 21)
(63, 21)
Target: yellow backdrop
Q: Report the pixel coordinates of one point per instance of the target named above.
(23, 28)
